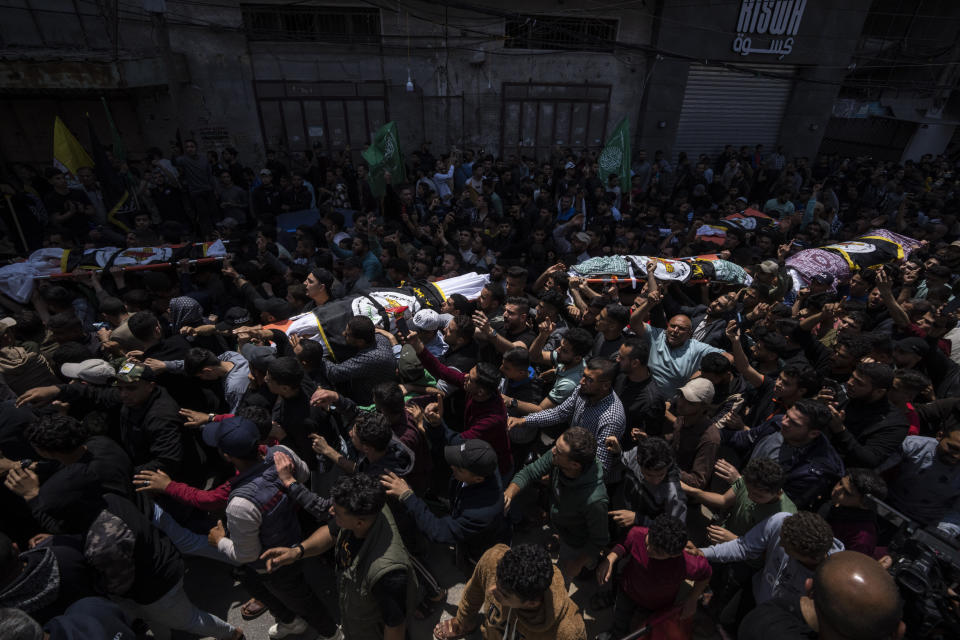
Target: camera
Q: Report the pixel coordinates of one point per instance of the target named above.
(926, 566)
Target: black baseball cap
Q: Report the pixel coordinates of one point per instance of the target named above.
(822, 279)
(476, 456)
(258, 356)
(233, 318)
(234, 436)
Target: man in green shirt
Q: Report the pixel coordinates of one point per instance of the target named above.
(754, 497)
(579, 500)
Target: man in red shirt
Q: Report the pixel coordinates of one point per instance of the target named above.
(656, 567)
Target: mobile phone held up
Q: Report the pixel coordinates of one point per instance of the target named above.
(399, 320)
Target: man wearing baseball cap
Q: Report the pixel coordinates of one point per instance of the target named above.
(94, 371)
(695, 440)
(6, 324)
(476, 518)
(261, 515)
(428, 323)
(150, 425)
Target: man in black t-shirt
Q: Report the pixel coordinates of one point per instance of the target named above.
(610, 325)
(68, 208)
(643, 402)
(168, 197)
(515, 331)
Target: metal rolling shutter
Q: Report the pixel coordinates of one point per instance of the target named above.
(722, 107)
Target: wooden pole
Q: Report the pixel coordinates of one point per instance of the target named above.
(16, 222)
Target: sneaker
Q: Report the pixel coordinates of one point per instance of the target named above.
(284, 629)
(338, 635)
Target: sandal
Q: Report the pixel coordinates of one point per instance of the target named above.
(444, 631)
(252, 609)
(427, 606)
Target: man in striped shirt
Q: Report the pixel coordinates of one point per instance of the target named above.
(594, 406)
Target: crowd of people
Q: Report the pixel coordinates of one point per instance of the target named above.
(709, 455)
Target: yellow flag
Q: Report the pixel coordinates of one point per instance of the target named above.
(68, 154)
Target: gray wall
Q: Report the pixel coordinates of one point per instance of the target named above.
(465, 77)
(458, 64)
(823, 48)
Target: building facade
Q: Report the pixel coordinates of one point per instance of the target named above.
(320, 76)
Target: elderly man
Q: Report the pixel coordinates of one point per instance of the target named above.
(674, 354)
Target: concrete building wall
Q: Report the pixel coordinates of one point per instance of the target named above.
(821, 51)
(458, 64)
(210, 83)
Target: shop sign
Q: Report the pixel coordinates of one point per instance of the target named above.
(772, 23)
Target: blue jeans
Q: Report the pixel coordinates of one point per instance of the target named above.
(187, 542)
(173, 610)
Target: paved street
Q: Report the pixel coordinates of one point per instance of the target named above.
(211, 585)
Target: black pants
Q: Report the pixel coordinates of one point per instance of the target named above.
(206, 211)
(624, 610)
(287, 594)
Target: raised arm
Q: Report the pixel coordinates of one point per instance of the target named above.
(824, 318)
(641, 312)
(541, 281)
(897, 312)
(487, 333)
(537, 354)
(711, 500)
(740, 360)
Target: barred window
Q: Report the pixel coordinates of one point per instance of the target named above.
(311, 24)
(560, 32)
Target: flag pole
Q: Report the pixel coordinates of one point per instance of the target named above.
(16, 222)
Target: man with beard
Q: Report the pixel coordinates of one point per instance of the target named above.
(674, 354)
(708, 323)
(927, 485)
(514, 333)
(867, 428)
(695, 439)
(594, 406)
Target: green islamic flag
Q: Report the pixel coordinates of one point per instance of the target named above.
(384, 155)
(615, 157)
(119, 151)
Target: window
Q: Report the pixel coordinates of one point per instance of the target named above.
(538, 117)
(298, 23)
(298, 116)
(555, 32)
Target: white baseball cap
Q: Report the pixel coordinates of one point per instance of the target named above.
(426, 320)
(7, 323)
(698, 390)
(94, 371)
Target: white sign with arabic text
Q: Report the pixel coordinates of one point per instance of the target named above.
(776, 21)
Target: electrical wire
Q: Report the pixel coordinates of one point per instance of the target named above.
(486, 37)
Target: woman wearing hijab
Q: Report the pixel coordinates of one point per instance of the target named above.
(185, 312)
